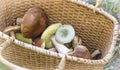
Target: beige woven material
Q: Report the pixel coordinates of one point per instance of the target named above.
(97, 30)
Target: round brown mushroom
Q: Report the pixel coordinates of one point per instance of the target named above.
(81, 51)
(34, 23)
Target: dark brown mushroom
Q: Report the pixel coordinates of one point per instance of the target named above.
(34, 23)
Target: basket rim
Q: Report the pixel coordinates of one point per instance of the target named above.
(104, 60)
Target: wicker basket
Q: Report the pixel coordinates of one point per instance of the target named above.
(98, 31)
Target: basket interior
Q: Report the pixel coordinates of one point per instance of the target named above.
(95, 29)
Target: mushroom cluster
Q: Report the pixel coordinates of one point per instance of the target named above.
(33, 29)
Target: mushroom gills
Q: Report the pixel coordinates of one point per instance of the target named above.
(65, 34)
(60, 47)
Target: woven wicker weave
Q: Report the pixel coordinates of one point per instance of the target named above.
(97, 30)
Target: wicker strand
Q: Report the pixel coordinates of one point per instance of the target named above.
(61, 65)
(11, 28)
(6, 43)
(12, 34)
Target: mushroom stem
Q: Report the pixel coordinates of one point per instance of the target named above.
(60, 47)
(19, 21)
(61, 65)
(96, 52)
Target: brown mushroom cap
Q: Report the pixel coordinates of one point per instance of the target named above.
(81, 51)
(34, 23)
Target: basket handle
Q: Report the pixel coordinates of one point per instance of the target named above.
(98, 5)
(62, 63)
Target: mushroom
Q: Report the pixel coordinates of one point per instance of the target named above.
(20, 37)
(40, 43)
(48, 33)
(33, 23)
(10, 30)
(81, 51)
(65, 34)
(95, 54)
(60, 47)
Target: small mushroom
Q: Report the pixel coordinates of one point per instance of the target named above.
(60, 47)
(65, 34)
(34, 22)
(81, 51)
(40, 43)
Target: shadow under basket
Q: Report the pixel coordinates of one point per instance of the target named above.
(98, 30)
